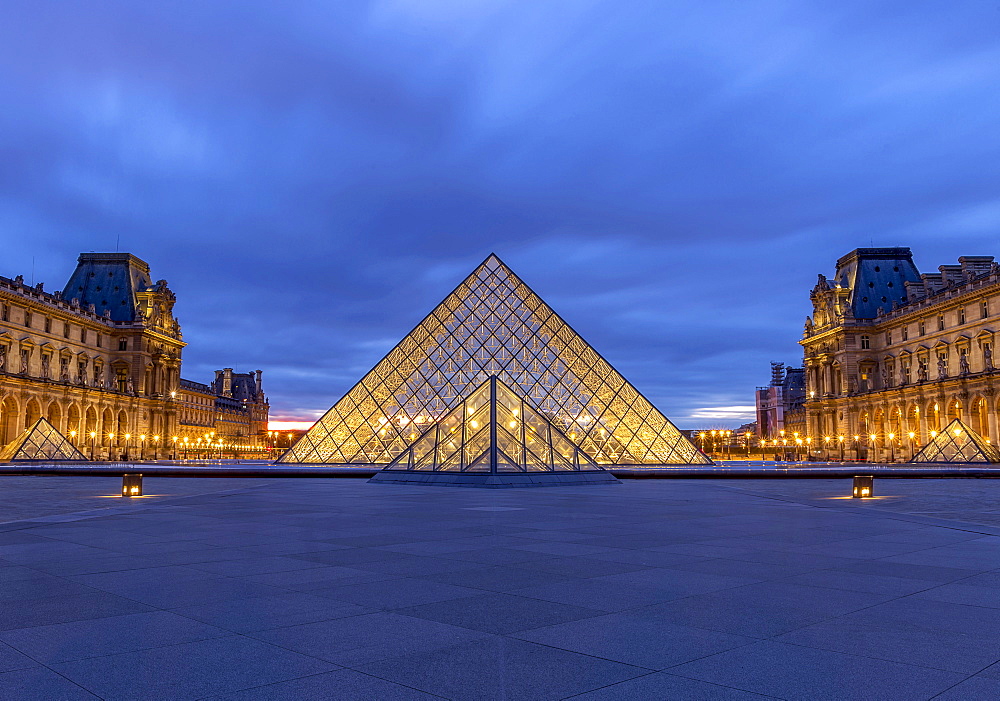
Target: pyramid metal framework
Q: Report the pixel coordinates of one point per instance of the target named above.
(493, 324)
(41, 441)
(958, 443)
(493, 430)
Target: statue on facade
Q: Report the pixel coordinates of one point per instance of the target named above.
(885, 377)
(99, 376)
(24, 362)
(922, 371)
(942, 368)
(129, 387)
(64, 370)
(3, 357)
(988, 357)
(963, 364)
(45, 367)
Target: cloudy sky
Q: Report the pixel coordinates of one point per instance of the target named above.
(312, 177)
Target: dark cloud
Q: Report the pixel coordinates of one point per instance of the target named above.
(313, 177)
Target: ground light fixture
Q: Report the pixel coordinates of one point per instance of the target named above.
(132, 484)
(862, 487)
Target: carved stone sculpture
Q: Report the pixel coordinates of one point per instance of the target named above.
(942, 368)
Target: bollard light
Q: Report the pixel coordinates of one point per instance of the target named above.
(132, 485)
(862, 487)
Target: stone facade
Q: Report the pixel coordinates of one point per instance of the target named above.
(892, 355)
(780, 409)
(100, 359)
(232, 409)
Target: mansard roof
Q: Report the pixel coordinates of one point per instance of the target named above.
(109, 281)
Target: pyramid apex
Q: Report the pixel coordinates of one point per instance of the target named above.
(492, 262)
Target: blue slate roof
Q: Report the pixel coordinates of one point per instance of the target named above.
(109, 281)
(876, 278)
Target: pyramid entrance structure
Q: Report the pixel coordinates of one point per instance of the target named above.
(494, 325)
(958, 443)
(494, 438)
(40, 442)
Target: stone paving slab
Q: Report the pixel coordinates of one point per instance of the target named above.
(650, 589)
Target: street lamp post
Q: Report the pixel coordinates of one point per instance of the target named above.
(128, 439)
(911, 436)
(840, 439)
(874, 447)
(93, 443)
(892, 447)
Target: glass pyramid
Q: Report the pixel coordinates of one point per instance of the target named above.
(958, 443)
(42, 441)
(492, 324)
(493, 430)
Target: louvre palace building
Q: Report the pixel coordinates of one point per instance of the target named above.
(101, 360)
(892, 355)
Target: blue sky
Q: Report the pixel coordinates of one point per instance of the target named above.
(312, 177)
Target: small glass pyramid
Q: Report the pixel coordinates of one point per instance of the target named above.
(41, 441)
(958, 444)
(492, 324)
(493, 430)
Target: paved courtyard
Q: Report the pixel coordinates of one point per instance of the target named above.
(653, 589)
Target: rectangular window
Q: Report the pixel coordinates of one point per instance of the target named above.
(122, 344)
(866, 342)
(65, 329)
(98, 339)
(905, 331)
(48, 325)
(923, 328)
(27, 318)
(4, 312)
(83, 335)
(984, 309)
(888, 338)
(961, 315)
(940, 322)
